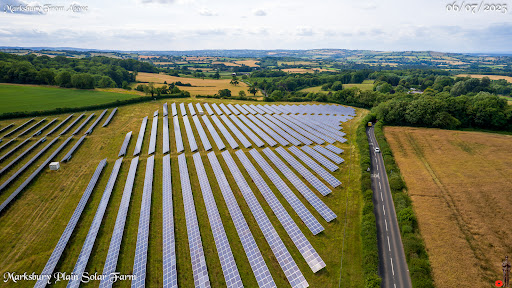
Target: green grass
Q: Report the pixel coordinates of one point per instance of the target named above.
(32, 225)
(20, 98)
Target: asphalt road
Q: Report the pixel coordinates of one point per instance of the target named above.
(393, 267)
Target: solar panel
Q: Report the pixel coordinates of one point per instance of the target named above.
(83, 257)
(241, 109)
(257, 109)
(288, 130)
(174, 110)
(249, 109)
(315, 167)
(109, 117)
(124, 147)
(18, 128)
(319, 185)
(141, 248)
(320, 158)
(191, 109)
(306, 126)
(313, 225)
(155, 114)
(38, 132)
(68, 156)
(247, 131)
(10, 152)
(204, 139)
(272, 109)
(264, 109)
(322, 129)
(64, 238)
(195, 245)
(165, 139)
(237, 132)
(285, 260)
(7, 143)
(208, 109)
(258, 131)
(31, 127)
(299, 129)
(152, 138)
(225, 109)
(200, 110)
(117, 234)
(334, 149)
(170, 275)
(329, 154)
(177, 135)
(213, 132)
(225, 132)
(182, 109)
(217, 109)
(190, 134)
(89, 131)
(23, 154)
(6, 127)
(278, 130)
(232, 108)
(258, 266)
(83, 124)
(71, 124)
(29, 162)
(311, 197)
(140, 138)
(165, 113)
(227, 261)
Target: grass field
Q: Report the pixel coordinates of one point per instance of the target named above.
(199, 86)
(366, 85)
(33, 224)
(459, 183)
(18, 98)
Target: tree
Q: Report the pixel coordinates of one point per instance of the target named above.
(82, 81)
(46, 76)
(253, 90)
(106, 82)
(126, 85)
(150, 89)
(234, 81)
(216, 75)
(63, 79)
(241, 93)
(337, 86)
(225, 93)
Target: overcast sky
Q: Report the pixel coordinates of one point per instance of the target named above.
(242, 24)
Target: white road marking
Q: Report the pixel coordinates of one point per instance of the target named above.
(382, 199)
(383, 208)
(385, 221)
(377, 167)
(394, 285)
(392, 269)
(389, 246)
(380, 187)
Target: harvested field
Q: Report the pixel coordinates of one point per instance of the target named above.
(492, 77)
(250, 63)
(459, 183)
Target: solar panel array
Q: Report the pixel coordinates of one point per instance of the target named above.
(83, 257)
(315, 167)
(174, 110)
(249, 109)
(72, 124)
(204, 139)
(31, 127)
(195, 245)
(320, 158)
(7, 143)
(317, 184)
(237, 132)
(299, 129)
(59, 125)
(278, 130)
(152, 138)
(233, 109)
(6, 127)
(313, 225)
(258, 131)
(213, 132)
(190, 134)
(290, 131)
(225, 132)
(177, 135)
(18, 128)
(165, 139)
(141, 248)
(217, 109)
(140, 138)
(247, 131)
(208, 109)
(165, 113)
(68, 156)
(285, 260)
(182, 109)
(241, 109)
(89, 131)
(22, 155)
(311, 197)
(83, 124)
(38, 132)
(307, 251)
(117, 234)
(329, 154)
(64, 238)
(227, 261)
(306, 126)
(124, 147)
(170, 275)
(10, 152)
(225, 109)
(200, 110)
(191, 109)
(107, 121)
(334, 149)
(258, 266)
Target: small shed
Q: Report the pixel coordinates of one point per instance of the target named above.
(54, 166)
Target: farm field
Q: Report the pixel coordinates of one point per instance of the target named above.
(366, 85)
(34, 222)
(17, 98)
(199, 86)
(492, 77)
(459, 183)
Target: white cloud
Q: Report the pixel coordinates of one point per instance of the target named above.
(305, 31)
(260, 12)
(207, 12)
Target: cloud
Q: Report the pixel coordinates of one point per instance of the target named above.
(260, 12)
(305, 31)
(207, 12)
(159, 1)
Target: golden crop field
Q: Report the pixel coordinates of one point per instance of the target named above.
(301, 70)
(460, 186)
(492, 77)
(199, 86)
(250, 63)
